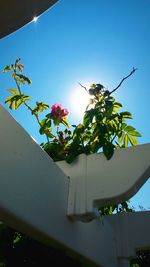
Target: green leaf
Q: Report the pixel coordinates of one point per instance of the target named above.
(43, 122)
(56, 121)
(123, 126)
(86, 119)
(25, 97)
(12, 91)
(41, 106)
(71, 157)
(126, 140)
(17, 104)
(41, 130)
(110, 210)
(126, 115)
(49, 134)
(110, 128)
(108, 150)
(117, 105)
(93, 86)
(121, 137)
(87, 149)
(89, 115)
(24, 78)
(96, 145)
(65, 123)
(134, 133)
(129, 128)
(46, 130)
(109, 103)
(78, 130)
(20, 67)
(114, 125)
(10, 101)
(92, 91)
(102, 129)
(7, 68)
(133, 140)
(16, 100)
(17, 79)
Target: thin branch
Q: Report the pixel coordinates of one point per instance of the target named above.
(84, 87)
(123, 80)
(36, 116)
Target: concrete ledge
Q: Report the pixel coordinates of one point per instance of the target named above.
(34, 199)
(97, 182)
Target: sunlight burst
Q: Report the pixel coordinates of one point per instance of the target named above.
(80, 99)
(35, 19)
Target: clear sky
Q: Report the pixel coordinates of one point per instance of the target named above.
(86, 41)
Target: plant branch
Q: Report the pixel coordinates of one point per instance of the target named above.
(24, 102)
(18, 86)
(84, 87)
(123, 80)
(113, 138)
(36, 116)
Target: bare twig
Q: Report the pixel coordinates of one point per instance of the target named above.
(123, 80)
(84, 87)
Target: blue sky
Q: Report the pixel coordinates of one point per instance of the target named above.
(86, 41)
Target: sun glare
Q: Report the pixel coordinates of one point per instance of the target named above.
(79, 100)
(35, 19)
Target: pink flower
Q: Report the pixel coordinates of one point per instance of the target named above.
(58, 112)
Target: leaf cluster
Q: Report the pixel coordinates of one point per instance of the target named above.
(16, 99)
(104, 127)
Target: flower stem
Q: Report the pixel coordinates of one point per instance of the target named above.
(24, 102)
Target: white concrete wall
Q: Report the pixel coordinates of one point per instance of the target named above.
(34, 198)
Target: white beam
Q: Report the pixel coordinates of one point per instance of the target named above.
(34, 194)
(33, 200)
(98, 182)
